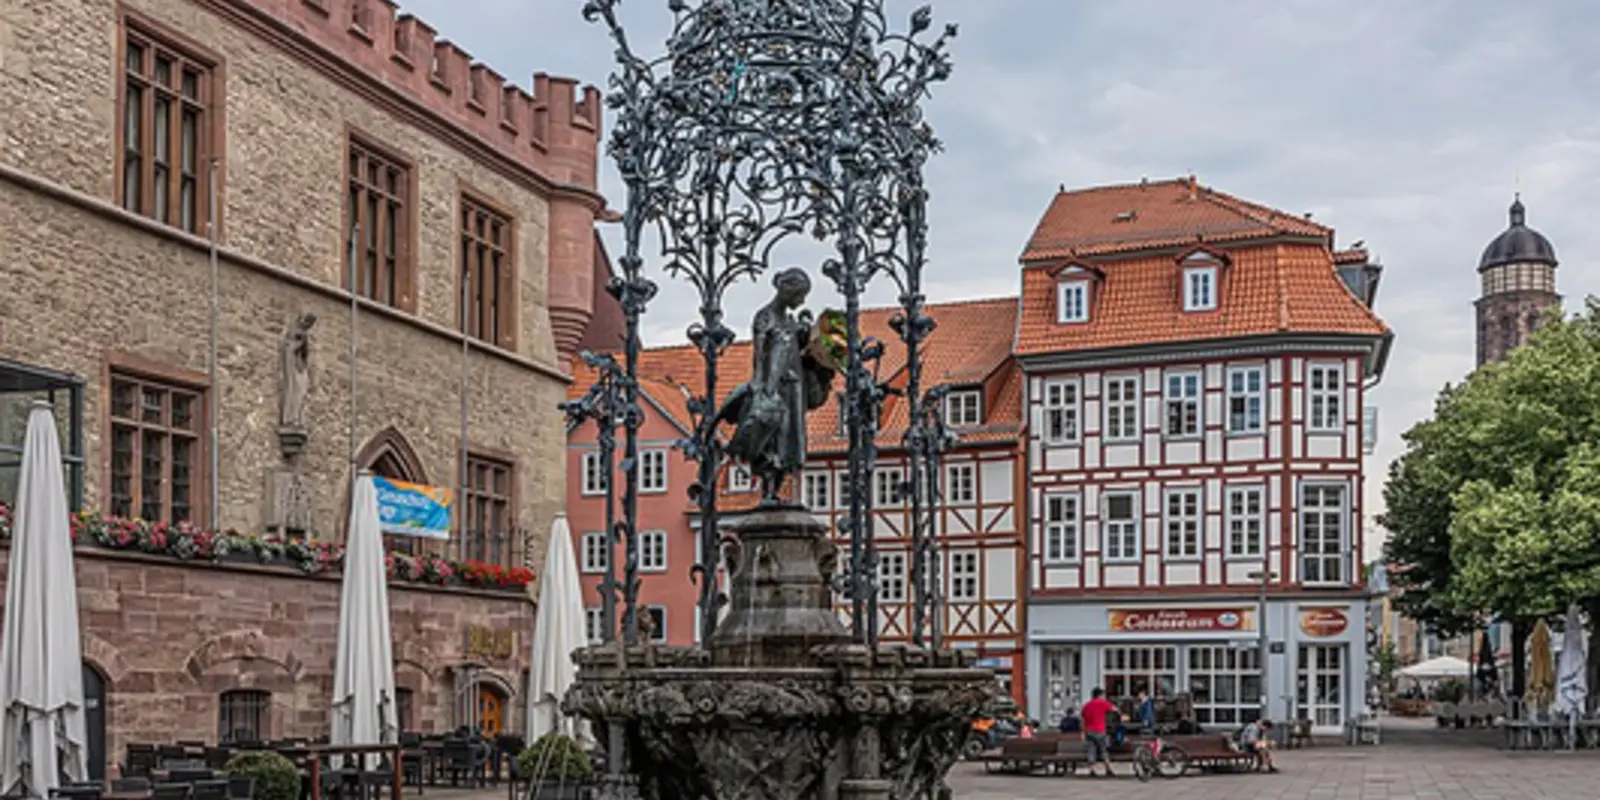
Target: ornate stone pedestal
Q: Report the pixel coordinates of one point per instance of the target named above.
(783, 707)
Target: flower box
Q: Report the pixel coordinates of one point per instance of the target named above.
(187, 542)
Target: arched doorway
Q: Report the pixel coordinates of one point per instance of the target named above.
(389, 455)
(94, 719)
(491, 709)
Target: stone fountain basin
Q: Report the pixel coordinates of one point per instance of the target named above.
(693, 728)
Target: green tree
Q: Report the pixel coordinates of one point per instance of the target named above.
(1419, 501)
(1494, 507)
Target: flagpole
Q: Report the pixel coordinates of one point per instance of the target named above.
(213, 409)
(355, 315)
(466, 376)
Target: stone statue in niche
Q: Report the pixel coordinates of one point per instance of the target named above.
(288, 503)
(296, 384)
(788, 380)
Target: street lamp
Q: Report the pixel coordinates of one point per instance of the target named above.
(1262, 578)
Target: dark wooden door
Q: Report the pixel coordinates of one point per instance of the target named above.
(94, 720)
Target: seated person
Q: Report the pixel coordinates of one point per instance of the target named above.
(1254, 739)
(1070, 723)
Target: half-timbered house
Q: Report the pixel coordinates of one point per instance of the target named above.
(976, 520)
(1195, 367)
(978, 524)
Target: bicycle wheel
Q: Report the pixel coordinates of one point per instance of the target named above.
(1173, 762)
(1144, 765)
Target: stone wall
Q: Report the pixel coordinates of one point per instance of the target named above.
(90, 287)
(170, 638)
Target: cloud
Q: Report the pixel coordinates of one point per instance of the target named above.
(1408, 125)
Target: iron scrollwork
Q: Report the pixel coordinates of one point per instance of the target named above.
(765, 124)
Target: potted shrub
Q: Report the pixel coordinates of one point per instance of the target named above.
(276, 777)
(555, 767)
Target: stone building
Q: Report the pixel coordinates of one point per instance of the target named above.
(320, 146)
(1518, 275)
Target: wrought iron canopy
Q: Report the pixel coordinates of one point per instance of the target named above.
(766, 122)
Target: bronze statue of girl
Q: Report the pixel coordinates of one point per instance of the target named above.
(769, 410)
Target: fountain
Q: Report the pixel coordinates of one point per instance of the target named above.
(764, 123)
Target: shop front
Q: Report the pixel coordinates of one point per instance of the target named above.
(1210, 652)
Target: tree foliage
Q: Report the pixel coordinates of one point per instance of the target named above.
(1420, 504)
(1495, 506)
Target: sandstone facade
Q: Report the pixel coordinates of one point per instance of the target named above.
(169, 639)
(91, 288)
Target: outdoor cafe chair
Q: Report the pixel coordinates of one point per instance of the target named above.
(172, 791)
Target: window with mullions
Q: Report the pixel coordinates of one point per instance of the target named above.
(20, 387)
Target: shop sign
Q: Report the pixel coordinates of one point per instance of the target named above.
(1321, 623)
(1181, 620)
(488, 644)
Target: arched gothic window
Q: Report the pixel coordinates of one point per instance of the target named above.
(389, 455)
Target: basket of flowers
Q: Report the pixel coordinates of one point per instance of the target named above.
(830, 340)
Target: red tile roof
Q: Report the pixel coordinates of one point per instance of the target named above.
(970, 346)
(1280, 274)
(1354, 255)
(1142, 216)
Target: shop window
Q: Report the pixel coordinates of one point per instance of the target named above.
(1127, 671)
(1225, 684)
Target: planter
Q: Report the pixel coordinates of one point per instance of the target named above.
(556, 790)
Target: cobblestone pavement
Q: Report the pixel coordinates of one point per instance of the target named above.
(1391, 772)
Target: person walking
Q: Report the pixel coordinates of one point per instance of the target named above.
(1096, 743)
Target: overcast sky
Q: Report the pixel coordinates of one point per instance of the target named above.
(1407, 125)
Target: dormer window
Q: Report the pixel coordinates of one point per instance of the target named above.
(1072, 301)
(1199, 288)
(1200, 271)
(963, 409)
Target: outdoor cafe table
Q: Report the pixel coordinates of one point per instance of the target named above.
(315, 753)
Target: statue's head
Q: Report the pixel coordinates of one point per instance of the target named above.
(793, 285)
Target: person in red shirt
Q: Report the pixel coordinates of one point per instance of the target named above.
(1096, 742)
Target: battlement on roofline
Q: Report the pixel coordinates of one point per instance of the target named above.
(555, 129)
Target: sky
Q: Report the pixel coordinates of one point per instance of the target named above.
(1406, 125)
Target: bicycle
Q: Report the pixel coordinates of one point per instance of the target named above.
(1156, 757)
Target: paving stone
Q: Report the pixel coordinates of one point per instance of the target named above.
(1439, 771)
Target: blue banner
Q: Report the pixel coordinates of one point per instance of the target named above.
(411, 509)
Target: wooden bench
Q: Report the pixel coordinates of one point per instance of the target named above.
(1214, 753)
(1064, 753)
(1049, 753)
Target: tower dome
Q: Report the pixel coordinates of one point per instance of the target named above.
(1518, 244)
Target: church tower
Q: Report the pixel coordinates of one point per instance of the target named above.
(1518, 275)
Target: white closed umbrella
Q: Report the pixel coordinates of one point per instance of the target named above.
(364, 711)
(558, 630)
(41, 659)
(1572, 682)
